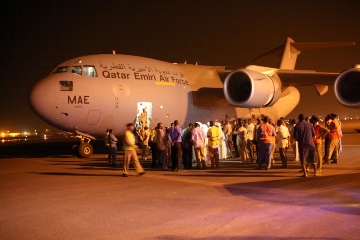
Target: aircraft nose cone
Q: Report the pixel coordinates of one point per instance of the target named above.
(42, 97)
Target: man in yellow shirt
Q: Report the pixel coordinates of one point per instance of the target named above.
(213, 144)
(130, 151)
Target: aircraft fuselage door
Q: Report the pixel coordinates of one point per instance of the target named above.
(144, 114)
(93, 117)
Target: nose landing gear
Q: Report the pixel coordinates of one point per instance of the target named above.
(84, 150)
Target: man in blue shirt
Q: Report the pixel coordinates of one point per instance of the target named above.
(304, 133)
(113, 148)
(175, 141)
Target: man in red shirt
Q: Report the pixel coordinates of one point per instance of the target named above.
(265, 136)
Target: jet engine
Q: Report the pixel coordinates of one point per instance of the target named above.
(250, 89)
(347, 88)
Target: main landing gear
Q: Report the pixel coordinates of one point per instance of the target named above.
(84, 150)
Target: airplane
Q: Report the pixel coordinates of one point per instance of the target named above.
(87, 95)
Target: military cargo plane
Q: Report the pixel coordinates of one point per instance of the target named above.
(89, 94)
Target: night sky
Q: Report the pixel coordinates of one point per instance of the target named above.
(36, 37)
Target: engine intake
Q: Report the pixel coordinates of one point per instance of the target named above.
(347, 88)
(250, 89)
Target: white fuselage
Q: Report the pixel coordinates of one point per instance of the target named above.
(93, 93)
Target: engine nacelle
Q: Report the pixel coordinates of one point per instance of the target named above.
(347, 88)
(250, 89)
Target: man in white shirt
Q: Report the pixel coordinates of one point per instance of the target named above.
(250, 138)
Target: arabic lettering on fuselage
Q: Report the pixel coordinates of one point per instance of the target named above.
(113, 66)
(120, 71)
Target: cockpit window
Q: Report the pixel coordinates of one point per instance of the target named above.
(61, 69)
(89, 71)
(86, 70)
(76, 70)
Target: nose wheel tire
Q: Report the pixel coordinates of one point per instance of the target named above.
(85, 150)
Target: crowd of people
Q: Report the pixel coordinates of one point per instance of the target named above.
(175, 147)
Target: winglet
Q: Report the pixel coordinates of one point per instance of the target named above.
(289, 56)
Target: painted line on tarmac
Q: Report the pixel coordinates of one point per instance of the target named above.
(185, 179)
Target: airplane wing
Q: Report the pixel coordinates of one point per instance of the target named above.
(306, 77)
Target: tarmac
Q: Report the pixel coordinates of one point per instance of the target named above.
(46, 193)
